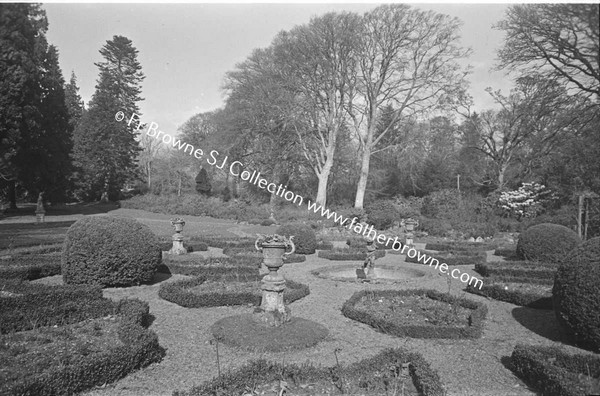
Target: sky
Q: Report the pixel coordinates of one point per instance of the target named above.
(186, 49)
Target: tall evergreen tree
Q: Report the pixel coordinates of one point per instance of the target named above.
(73, 101)
(34, 130)
(105, 149)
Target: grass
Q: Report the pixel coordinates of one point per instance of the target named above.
(245, 331)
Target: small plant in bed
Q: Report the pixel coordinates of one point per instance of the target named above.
(553, 372)
(391, 372)
(417, 313)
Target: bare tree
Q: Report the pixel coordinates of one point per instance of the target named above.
(535, 116)
(558, 40)
(407, 59)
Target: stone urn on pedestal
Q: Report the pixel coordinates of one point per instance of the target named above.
(178, 247)
(272, 310)
(40, 212)
(409, 224)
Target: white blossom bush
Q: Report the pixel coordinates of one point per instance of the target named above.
(526, 202)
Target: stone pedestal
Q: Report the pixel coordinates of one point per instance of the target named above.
(177, 238)
(40, 211)
(273, 311)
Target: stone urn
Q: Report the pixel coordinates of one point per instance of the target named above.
(409, 224)
(272, 310)
(40, 211)
(178, 248)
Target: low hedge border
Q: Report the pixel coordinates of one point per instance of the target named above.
(425, 379)
(30, 267)
(198, 265)
(350, 255)
(294, 258)
(221, 242)
(493, 288)
(470, 259)
(361, 243)
(543, 272)
(475, 330)
(324, 245)
(461, 246)
(506, 252)
(552, 371)
(140, 349)
(33, 305)
(177, 293)
(189, 246)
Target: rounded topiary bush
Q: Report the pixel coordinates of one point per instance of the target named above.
(305, 238)
(546, 242)
(109, 251)
(382, 214)
(575, 294)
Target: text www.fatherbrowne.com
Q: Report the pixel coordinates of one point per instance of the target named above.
(236, 168)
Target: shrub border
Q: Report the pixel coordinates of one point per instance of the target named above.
(544, 273)
(532, 365)
(49, 266)
(453, 260)
(425, 379)
(176, 293)
(336, 255)
(474, 330)
(497, 292)
(140, 349)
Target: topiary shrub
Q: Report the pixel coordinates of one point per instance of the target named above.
(382, 214)
(305, 238)
(575, 294)
(546, 242)
(109, 251)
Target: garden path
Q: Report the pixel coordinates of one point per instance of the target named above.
(466, 367)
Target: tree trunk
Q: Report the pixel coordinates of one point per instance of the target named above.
(580, 216)
(148, 170)
(362, 181)
(501, 176)
(12, 194)
(324, 176)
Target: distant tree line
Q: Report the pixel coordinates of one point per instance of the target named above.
(344, 109)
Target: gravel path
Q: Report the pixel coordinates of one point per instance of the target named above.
(466, 367)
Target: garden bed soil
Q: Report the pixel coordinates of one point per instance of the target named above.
(415, 310)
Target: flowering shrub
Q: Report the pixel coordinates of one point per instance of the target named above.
(526, 202)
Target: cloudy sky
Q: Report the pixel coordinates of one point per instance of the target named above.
(186, 49)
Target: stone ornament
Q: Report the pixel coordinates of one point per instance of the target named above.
(274, 247)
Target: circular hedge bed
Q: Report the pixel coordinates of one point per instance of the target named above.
(200, 292)
(576, 295)
(110, 251)
(546, 242)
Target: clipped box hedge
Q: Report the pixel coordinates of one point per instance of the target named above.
(348, 255)
(24, 306)
(553, 372)
(472, 258)
(474, 330)
(493, 287)
(178, 292)
(30, 267)
(294, 258)
(189, 246)
(507, 252)
(324, 245)
(224, 242)
(140, 348)
(364, 375)
(461, 246)
(540, 272)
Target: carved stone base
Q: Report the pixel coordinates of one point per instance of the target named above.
(273, 318)
(178, 247)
